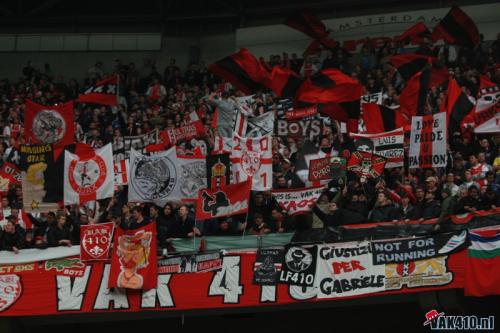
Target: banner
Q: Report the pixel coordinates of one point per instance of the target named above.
(389, 145)
(88, 177)
(319, 169)
(296, 201)
(49, 124)
(428, 141)
(218, 170)
(104, 92)
(123, 146)
(487, 112)
(121, 170)
(338, 166)
(299, 268)
(347, 270)
(260, 126)
(225, 201)
(40, 178)
(186, 132)
(268, 264)
(42, 289)
(9, 175)
(252, 159)
(296, 114)
(376, 98)
(133, 263)
(366, 165)
(165, 177)
(304, 128)
(95, 241)
(193, 263)
(405, 250)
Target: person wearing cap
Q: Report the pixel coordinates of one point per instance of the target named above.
(431, 208)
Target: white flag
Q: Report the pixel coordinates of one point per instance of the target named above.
(88, 177)
(164, 177)
(428, 141)
(121, 172)
(252, 158)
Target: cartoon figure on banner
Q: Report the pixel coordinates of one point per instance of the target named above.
(297, 259)
(86, 176)
(250, 162)
(213, 203)
(153, 178)
(133, 253)
(49, 126)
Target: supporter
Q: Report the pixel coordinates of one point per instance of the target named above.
(259, 227)
(491, 200)
(471, 202)
(383, 210)
(280, 222)
(224, 228)
(183, 226)
(11, 239)
(259, 205)
(448, 207)
(407, 211)
(450, 184)
(59, 234)
(431, 207)
(138, 219)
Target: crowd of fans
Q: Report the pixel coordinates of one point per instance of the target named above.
(152, 97)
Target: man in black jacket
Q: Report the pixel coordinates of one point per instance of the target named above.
(59, 234)
(12, 238)
(431, 207)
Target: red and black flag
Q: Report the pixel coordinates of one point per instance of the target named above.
(311, 25)
(366, 165)
(456, 28)
(380, 118)
(329, 86)
(413, 98)
(416, 34)
(284, 82)
(457, 106)
(104, 92)
(409, 64)
(49, 124)
(242, 69)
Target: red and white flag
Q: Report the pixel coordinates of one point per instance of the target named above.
(49, 124)
(88, 176)
(121, 172)
(104, 92)
(428, 140)
(134, 259)
(95, 241)
(227, 200)
(251, 158)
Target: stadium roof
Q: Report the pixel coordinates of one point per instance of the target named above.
(177, 17)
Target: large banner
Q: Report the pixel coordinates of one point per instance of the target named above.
(40, 178)
(186, 132)
(123, 146)
(428, 141)
(49, 124)
(389, 145)
(49, 289)
(223, 201)
(165, 177)
(347, 270)
(252, 159)
(300, 200)
(405, 250)
(88, 177)
(304, 128)
(134, 263)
